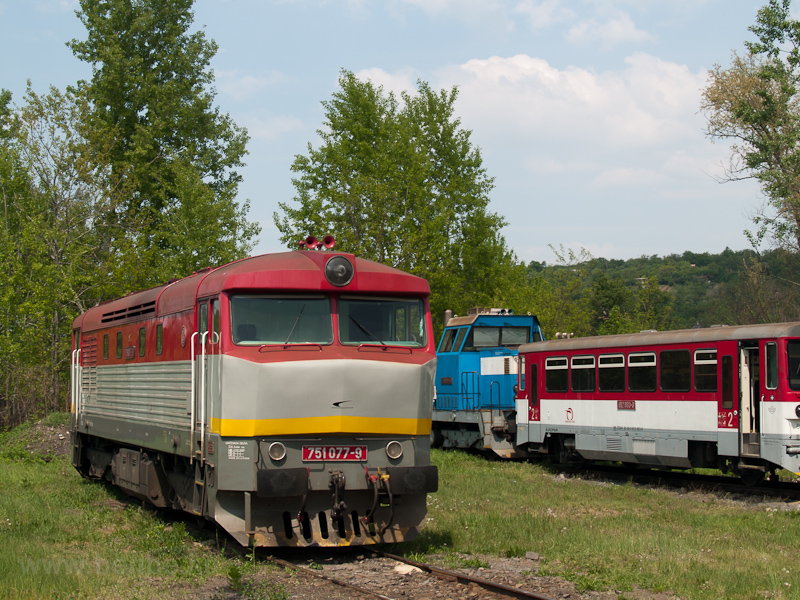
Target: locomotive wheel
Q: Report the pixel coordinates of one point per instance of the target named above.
(751, 477)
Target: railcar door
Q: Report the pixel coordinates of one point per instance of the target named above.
(749, 399)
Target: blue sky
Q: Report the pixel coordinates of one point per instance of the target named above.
(586, 111)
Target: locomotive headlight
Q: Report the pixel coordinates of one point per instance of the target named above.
(339, 271)
(394, 450)
(797, 411)
(277, 451)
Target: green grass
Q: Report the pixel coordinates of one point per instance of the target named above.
(605, 536)
(66, 537)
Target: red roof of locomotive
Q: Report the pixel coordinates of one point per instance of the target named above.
(281, 272)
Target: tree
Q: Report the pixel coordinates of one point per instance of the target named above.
(56, 246)
(175, 154)
(399, 182)
(755, 104)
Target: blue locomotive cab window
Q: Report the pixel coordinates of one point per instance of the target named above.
(494, 337)
(383, 321)
(793, 364)
(259, 320)
(446, 345)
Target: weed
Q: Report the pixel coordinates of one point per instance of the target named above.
(514, 552)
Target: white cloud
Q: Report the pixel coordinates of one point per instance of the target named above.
(241, 85)
(616, 30)
(404, 80)
(272, 128)
(544, 13)
(650, 103)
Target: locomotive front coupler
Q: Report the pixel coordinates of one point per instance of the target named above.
(338, 484)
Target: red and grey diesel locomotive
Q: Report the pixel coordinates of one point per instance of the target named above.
(286, 397)
(722, 397)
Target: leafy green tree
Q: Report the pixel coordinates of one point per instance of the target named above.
(55, 245)
(754, 103)
(399, 182)
(175, 155)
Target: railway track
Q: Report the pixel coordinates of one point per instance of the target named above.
(387, 578)
(776, 490)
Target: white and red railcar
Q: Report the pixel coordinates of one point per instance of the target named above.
(286, 397)
(722, 397)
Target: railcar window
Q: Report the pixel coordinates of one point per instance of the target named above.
(705, 370)
(793, 363)
(611, 374)
(142, 340)
(582, 374)
(676, 370)
(642, 372)
(727, 382)
(119, 344)
(446, 344)
(534, 385)
(556, 374)
(105, 346)
(159, 339)
(387, 321)
(771, 364)
(257, 320)
(521, 372)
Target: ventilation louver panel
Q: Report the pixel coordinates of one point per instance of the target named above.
(129, 312)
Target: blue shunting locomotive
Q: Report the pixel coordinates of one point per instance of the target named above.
(476, 374)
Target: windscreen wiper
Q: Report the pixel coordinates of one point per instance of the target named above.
(296, 321)
(367, 331)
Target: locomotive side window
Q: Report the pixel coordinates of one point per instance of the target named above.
(556, 374)
(202, 321)
(105, 346)
(583, 378)
(215, 321)
(705, 370)
(642, 372)
(446, 345)
(611, 374)
(142, 340)
(119, 344)
(727, 382)
(771, 364)
(676, 370)
(257, 320)
(159, 339)
(462, 333)
(385, 321)
(793, 364)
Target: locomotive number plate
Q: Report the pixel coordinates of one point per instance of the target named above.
(341, 453)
